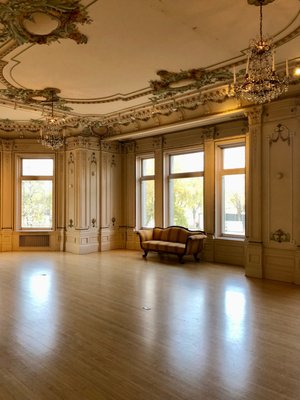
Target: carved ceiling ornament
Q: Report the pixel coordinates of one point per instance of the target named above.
(36, 97)
(171, 83)
(15, 15)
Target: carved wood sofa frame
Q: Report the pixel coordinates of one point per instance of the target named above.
(174, 239)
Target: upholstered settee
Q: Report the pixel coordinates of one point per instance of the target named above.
(173, 239)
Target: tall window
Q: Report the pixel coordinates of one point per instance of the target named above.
(185, 196)
(36, 193)
(232, 181)
(147, 180)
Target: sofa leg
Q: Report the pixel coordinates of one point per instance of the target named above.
(196, 257)
(180, 257)
(145, 253)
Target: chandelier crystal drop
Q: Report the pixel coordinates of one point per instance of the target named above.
(52, 131)
(262, 83)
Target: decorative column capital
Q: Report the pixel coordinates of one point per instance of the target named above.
(130, 147)
(208, 133)
(254, 115)
(158, 142)
(110, 147)
(7, 145)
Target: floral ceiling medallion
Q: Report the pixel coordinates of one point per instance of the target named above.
(42, 21)
(171, 83)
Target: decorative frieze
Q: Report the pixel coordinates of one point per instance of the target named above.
(82, 142)
(110, 147)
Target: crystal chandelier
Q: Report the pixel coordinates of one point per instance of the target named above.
(261, 83)
(51, 133)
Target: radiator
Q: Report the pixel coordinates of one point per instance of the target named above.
(34, 240)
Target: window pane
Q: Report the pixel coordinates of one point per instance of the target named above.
(37, 167)
(234, 157)
(233, 204)
(186, 202)
(147, 204)
(190, 162)
(36, 204)
(148, 167)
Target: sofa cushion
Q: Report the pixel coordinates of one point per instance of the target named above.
(164, 246)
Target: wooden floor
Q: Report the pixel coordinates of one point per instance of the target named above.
(112, 326)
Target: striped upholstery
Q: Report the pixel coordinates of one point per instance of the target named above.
(157, 233)
(175, 239)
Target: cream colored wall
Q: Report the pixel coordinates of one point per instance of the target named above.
(95, 199)
(221, 250)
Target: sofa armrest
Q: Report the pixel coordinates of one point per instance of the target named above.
(197, 237)
(194, 244)
(145, 234)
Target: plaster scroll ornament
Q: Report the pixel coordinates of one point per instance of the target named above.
(171, 83)
(42, 21)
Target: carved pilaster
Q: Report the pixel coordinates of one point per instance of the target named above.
(209, 181)
(297, 267)
(254, 193)
(6, 197)
(158, 143)
(82, 195)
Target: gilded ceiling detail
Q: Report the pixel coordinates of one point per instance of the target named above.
(171, 83)
(16, 14)
(36, 97)
(172, 96)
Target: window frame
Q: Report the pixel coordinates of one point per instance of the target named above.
(181, 175)
(18, 192)
(140, 179)
(220, 173)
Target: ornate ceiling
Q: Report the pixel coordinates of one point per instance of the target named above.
(123, 66)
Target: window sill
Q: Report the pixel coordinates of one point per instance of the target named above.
(230, 238)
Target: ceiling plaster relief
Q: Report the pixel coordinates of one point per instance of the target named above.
(24, 21)
(175, 96)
